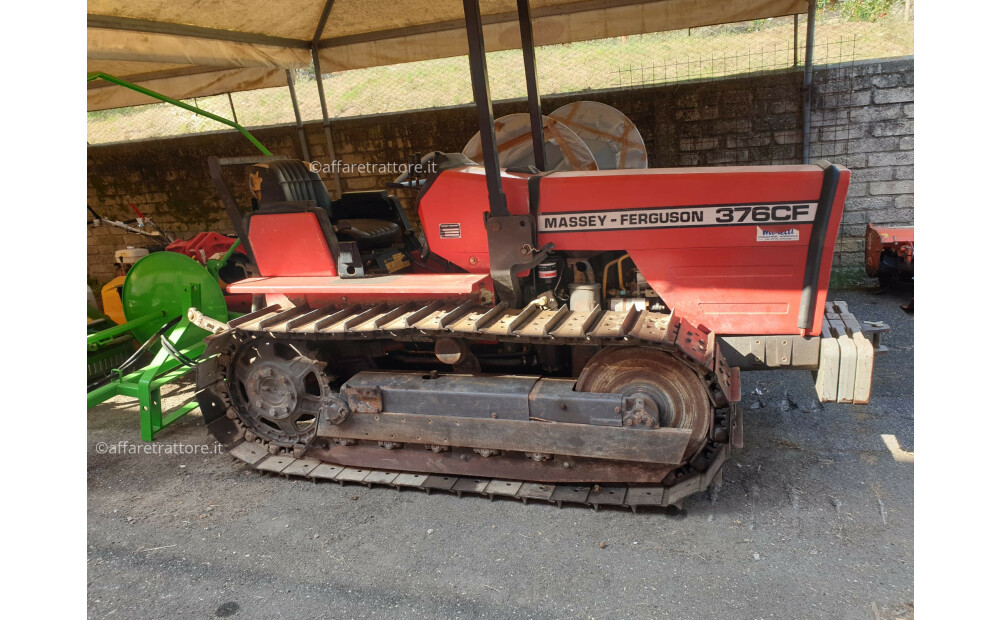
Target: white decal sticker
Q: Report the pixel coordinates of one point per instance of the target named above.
(678, 217)
(792, 234)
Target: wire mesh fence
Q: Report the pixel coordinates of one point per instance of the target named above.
(846, 31)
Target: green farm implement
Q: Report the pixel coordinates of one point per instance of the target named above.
(157, 293)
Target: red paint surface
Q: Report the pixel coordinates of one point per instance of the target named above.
(896, 239)
(203, 246)
(720, 277)
(290, 244)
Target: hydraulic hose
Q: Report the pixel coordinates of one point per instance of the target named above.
(138, 353)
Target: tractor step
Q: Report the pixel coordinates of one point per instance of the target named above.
(364, 290)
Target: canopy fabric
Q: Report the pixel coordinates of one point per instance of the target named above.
(189, 48)
(194, 82)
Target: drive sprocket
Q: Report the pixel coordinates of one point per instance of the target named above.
(278, 392)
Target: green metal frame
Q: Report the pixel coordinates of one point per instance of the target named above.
(145, 384)
(98, 340)
(215, 264)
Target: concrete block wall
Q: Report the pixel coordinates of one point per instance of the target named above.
(866, 123)
(862, 118)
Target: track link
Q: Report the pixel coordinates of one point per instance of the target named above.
(594, 495)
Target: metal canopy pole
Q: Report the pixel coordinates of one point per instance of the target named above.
(531, 78)
(807, 80)
(314, 46)
(795, 43)
(232, 107)
(484, 107)
(298, 115)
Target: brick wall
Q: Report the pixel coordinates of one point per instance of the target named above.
(862, 118)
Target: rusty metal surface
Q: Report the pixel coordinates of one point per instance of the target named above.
(503, 325)
(512, 466)
(654, 327)
(607, 496)
(577, 324)
(542, 322)
(445, 395)
(678, 391)
(274, 400)
(662, 445)
(363, 399)
(250, 317)
(350, 451)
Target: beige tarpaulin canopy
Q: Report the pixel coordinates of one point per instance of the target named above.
(189, 48)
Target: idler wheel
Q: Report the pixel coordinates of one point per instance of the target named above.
(659, 390)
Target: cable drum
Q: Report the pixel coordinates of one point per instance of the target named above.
(564, 149)
(161, 282)
(608, 133)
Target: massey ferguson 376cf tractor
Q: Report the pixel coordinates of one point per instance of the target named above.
(566, 336)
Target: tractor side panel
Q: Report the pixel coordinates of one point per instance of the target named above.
(453, 210)
(718, 268)
(692, 234)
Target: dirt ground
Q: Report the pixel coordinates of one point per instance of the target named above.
(814, 519)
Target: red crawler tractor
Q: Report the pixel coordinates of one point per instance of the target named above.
(564, 336)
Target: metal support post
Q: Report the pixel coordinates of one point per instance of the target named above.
(531, 79)
(807, 82)
(232, 108)
(322, 94)
(795, 43)
(298, 115)
(484, 107)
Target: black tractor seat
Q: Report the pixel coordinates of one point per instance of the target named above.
(368, 233)
(367, 218)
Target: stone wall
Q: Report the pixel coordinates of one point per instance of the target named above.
(862, 118)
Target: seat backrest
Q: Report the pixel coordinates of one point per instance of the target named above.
(293, 241)
(288, 180)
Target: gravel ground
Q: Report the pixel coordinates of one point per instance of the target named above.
(814, 519)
